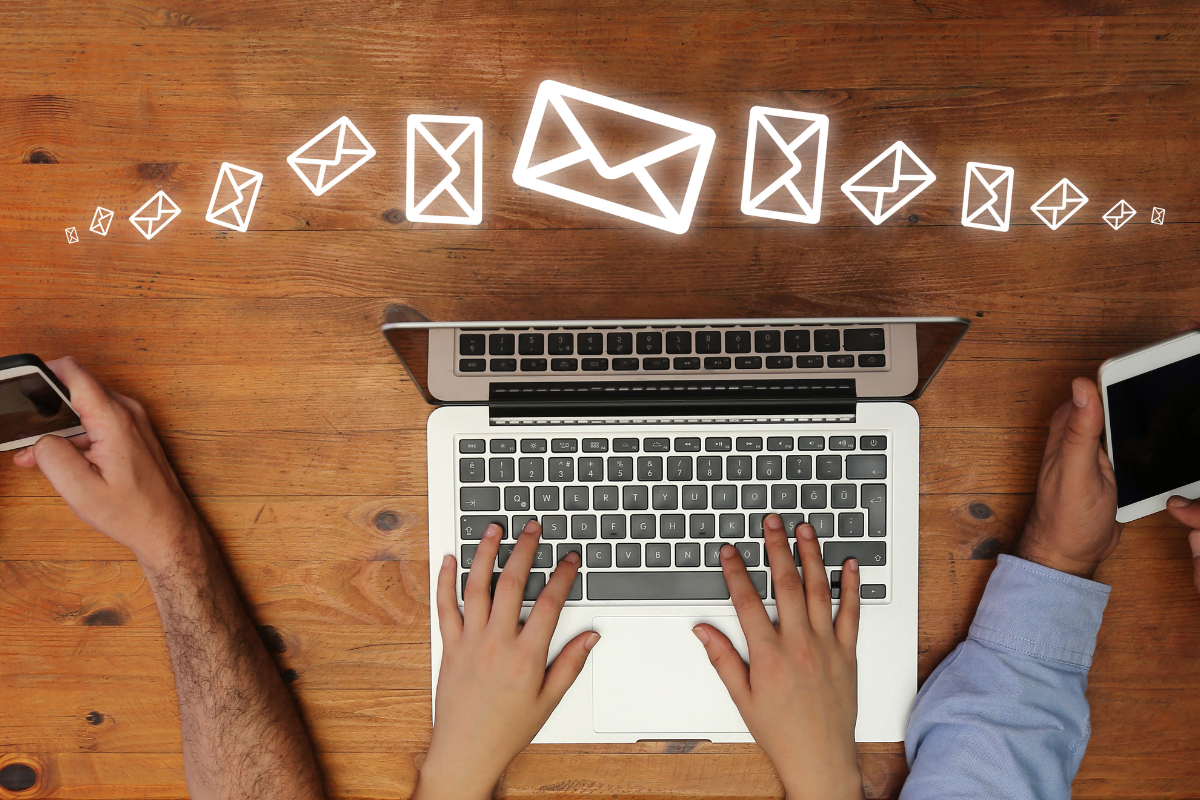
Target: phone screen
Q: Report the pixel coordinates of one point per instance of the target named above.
(29, 406)
(1154, 430)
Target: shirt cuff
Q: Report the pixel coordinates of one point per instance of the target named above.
(1041, 612)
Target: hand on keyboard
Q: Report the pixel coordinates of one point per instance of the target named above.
(798, 695)
(494, 690)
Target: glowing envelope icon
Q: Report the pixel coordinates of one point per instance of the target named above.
(472, 129)
(101, 220)
(894, 177)
(768, 120)
(233, 197)
(72, 236)
(1060, 203)
(1119, 214)
(989, 180)
(349, 152)
(155, 215)
(1157, 215)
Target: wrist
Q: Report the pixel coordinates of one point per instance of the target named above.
(176, 544)
(846, 784)
(433, 784)
(1030, 550)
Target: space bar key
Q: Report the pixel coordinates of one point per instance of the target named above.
(699, 585)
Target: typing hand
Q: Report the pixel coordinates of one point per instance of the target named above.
(1072, 527)
(798, 695)
(494, 689)
(1188, 512)
(115, 477)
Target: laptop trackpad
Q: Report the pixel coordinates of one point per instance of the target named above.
(651, 675)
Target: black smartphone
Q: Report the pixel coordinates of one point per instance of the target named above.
(33, 403)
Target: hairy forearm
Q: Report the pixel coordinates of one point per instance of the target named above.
(242, 735)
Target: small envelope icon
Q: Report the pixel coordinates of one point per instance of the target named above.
(1157, 215)
(882, 187)
(229, 206)
(808, 208)
(418, 127)
(1060, 203)
(72, 236)
(324, 161)
(101, 220)
(696, 143)
(987, 181)
(155, 215)
(1119, 214)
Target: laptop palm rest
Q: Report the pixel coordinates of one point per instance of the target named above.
(651, 675)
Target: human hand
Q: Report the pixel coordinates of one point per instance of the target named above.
(799, 695)
(1188, 512)
(115, 477)
(494, 689)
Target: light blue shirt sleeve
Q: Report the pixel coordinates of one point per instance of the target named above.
(1005, 715)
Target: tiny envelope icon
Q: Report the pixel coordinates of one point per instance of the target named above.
(101, 220)
(233, 197)
(1157, 215)
(155, 215)
(472, 211)
(1119, 214)
(1059, 204)
(894, 177)
(72, 236)
(988, 182)
(331, 155)
(673, 215)
(808, 208)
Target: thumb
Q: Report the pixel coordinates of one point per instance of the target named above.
(726, 661)
(1194, 543)
(1185, 511)
(68, 471)
(1085, 423)
(566, 667)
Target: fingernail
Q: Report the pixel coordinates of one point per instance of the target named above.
(727, 551)
(591, 640)
(1079, 395)
(1194, 543)
(774, 521)
(1178, 502)
(806, 530)
(447, 560)
(21, 452)
(528, 527)
(851, 565)
(572, 557)
(493, 530)
(701, 634)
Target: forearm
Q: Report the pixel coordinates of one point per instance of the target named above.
(242, 735)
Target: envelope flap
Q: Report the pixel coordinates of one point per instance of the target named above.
(991, 176)
(324, 148)
(620, 138)
(228, 192)
(880, 177)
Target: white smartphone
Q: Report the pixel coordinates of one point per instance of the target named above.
(1152, 423)
(33, 403)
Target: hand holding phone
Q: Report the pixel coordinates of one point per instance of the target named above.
(33, 403)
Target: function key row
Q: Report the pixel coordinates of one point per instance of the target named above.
(672, 342)
(665, 444)
(663, 363)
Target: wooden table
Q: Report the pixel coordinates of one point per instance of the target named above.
(290, 422)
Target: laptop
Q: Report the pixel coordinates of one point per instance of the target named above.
(645, 446)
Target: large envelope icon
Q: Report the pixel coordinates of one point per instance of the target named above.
(324, 161)
(986, 182)
(230, 207)
(1059, 204)
(154, 215)
(882, 187)
(673, 215)
(808, 209)
(101, 220)
(472, 211)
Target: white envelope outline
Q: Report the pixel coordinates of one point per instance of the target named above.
(363, 149)
(1062, 196)
(240, 180)
(72, 236)
(897, 152)
(159, 211)
(1157, 215)
(1119, 214)
(472, 212)
(101, 220)
(700, 137)
(969, 216)
(810, 211)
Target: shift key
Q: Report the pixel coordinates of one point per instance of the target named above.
(869, 554)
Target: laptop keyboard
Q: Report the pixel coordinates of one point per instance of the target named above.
(648, 515)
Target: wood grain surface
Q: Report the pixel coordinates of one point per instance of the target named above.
(290, 422)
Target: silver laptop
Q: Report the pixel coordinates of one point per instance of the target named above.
(646, 445)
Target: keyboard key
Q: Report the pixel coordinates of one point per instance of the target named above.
(629, 554)
(708, 342)
(841, 442)
(516, 498)
(468, 554)
(620, 468)
(533, 445)
(810, 442)
(564, 364)
(531, 469)
(863, 338)
(479, 498)
(543, 557)
(695, 498)
(564, 445)
(504, 445)
(471, 470)
(642, 526)
(472, 364)
(717, 362)
(591, 344)
(502, 344)
(791, 522)
(829, 468)
(595, 364)
(533, 584)
(472, 445)
(502, 470)
(731, 526)
(533, 365)
(679, 468)
(687, 445)
(769, 468)
(754, 495)
(712, 554)
(472, 527)
(672, 526)
(869, 554)
(851, 524)
(749, 443)
(649, 343)
(657, 445)
(650, 468)
(699, 585)
(702, 526)
(560, 344)
(872, 591)
(690, 362)
(583, 526)
(796, 341)
(562, 470)
(748, 362)
(873, 443)
(620, 343)
(599, 556)
(808, 362)
(799, 468)
(748, 551)
(739, 468)
(504, 365)
(840, 361)
(531, 344)
(472, 344)
(503, 554)
(868, 360)
(635, 498)
(767, 340)
(779, 362)
(545, 498)
(658, 554)
(827, 340)
(576, 592)
(718, 444)
(687, 554)
(708, 468)
(575, 498)
(778, 443)
(843, 495)
(606, 498)
(591, 468)
(783, 495)
(724, 496)
(812, 495)
(627, 445)
(563, 549)
(874, 500)
(679, 343)
(656, 363)
(665, 498)
(625, 364)
(554, 527)
(737, 341)
(872, 467)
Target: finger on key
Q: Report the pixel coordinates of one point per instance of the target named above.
(816, 584)
(510, 588)
(477, 597)
(450, 621)
(539, 627)
(789, 591)
(749, 606)
(846, 627)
